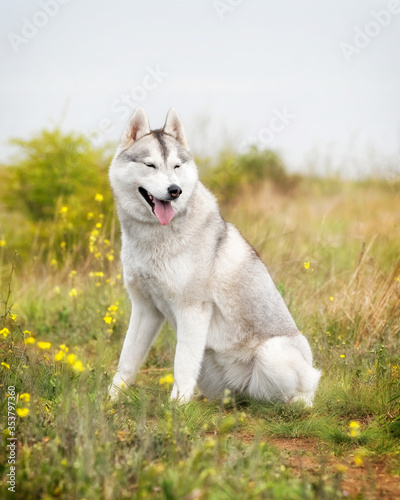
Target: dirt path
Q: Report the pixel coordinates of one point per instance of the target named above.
(371, 478)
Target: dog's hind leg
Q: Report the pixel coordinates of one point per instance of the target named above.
(211, 381)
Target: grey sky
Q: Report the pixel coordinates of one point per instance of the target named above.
(227, 77)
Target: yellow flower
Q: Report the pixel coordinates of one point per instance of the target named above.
(110, 257)
(73, 292)
(64, 210)
(27, 332)
(167, 379)
(331, 298)
(107, 319)
(29, 340)
(113, 308)
(227, 399)
(44, 345)
(25, 397)
(72, 274)
(99, 197)
(77, 366)
(63, 244)
(358, 460)
(97, 274)
(342, 355)
(90, 215)
(3, 243)
(63, 347)
(4, 332)
(6, 365)
(22, 412)
(98, 225)
(306, 265)
(13, 316)
(354, 429)
(59, 356)
(71, 358)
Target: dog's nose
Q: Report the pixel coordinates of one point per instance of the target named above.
(175, 191)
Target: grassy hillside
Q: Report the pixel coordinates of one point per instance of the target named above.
(332, 248)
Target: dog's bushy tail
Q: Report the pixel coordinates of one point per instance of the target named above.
(283, 371)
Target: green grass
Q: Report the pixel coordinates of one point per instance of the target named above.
(75, 444)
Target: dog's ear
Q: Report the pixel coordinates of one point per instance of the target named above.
(137, 127)
(173, 126)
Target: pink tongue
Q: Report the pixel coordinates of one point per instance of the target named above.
(163, 211)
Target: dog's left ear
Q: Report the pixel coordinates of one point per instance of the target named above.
(173, 126)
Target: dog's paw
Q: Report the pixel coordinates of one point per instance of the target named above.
(306, 398)
(180, 396)
(115, 389)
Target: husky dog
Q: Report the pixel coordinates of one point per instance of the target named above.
(185, 264)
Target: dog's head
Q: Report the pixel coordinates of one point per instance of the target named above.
(153, 174)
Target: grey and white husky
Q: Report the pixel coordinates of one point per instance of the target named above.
(185, 264)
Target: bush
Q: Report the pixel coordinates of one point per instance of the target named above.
(233, 170)
(53, 166)
(52, 185)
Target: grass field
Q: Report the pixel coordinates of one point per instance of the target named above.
(332, 247)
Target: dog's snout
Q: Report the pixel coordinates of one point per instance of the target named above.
(175, 191)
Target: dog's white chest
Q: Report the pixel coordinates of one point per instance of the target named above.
(160, 279)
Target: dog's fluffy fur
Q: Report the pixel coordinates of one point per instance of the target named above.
(183, 263)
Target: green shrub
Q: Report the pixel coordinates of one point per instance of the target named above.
(234, 170)
(53, 166)
(57, 185)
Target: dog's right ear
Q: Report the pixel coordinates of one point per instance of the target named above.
(137, 127)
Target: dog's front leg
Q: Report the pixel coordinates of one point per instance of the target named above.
(192, 330)
(146, 321)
